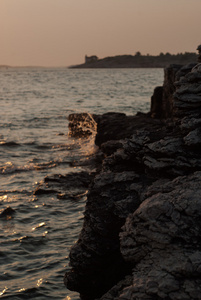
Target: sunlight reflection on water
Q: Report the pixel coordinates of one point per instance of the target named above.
(34, 143)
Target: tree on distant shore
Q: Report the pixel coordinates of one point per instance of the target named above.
(138, 53)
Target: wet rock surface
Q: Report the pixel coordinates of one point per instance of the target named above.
(141, 232)
(71, 186)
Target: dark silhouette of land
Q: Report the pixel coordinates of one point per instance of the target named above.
(138, 60)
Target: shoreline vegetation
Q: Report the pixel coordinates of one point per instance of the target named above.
(137, 61)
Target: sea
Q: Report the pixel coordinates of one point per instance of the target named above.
(37, 231)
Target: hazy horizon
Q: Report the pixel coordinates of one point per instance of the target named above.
(60, 33)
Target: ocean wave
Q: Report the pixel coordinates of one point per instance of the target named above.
(31, 143)
(44, 146)
(8, 168)
(11, 168)
(30, 242)
(20, 191)
(9, 144)
(23, 293)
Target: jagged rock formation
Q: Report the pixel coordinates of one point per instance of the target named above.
(141, 232)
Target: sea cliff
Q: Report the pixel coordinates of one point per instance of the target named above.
(141, 233)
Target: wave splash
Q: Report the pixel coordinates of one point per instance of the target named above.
(82, 125)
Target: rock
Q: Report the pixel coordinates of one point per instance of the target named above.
(8, 212)
(184, 70)
(162, 99)
(108, 204)
(141, 233)
(193, 138)
(117, 126)
(110, 147)
(70, 186)
(161, 240)
(110, 126)
(170, 74)
(156, 102)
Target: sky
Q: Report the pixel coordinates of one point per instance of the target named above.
(62, 32)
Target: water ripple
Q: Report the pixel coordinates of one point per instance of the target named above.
(37, 153)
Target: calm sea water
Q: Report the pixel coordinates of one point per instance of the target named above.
(34, 143)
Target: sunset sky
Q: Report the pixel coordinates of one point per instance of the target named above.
(61, 32)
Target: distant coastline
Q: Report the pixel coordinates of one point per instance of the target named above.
(125, 61)
(4, 67)
(137, 61)
(25, 67)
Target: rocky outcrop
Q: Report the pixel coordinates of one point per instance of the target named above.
(109, 126)
(162, 99)
(94, 258)
(161, 239)
(187, 97)
(141, 231)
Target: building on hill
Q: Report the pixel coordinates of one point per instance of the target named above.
(90, 59)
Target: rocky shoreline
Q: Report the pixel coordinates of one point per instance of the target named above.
(141, 233)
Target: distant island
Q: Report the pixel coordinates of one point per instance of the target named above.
(4, 67)
(138, 60)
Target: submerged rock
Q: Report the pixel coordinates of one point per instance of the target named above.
(141, 231)
(71, 186)
(8, 212)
